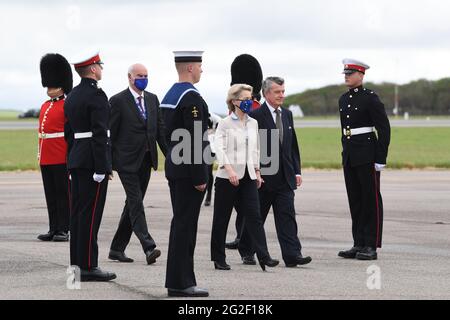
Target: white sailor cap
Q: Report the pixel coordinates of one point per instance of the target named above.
(188, 56)
(352, 65)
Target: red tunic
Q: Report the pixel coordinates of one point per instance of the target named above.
(53, 148)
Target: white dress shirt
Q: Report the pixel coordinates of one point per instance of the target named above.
(274, 117)
(136, 96)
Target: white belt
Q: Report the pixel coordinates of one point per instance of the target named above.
(356, 131)
(84, 135)
(51, 135)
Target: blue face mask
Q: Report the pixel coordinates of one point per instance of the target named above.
(246, 106)
(141, 84)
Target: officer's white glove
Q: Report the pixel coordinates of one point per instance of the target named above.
(379, 166)
(98, 177)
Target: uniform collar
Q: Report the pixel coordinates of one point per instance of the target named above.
(357, 89)
(61, 97)
(90, 81)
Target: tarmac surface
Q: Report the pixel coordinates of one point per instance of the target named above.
(414, 262)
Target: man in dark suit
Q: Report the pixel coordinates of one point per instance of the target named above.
(89, 163)
(281, 176)
(364, 155)
(136, 126)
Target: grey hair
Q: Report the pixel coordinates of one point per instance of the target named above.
(267, 83)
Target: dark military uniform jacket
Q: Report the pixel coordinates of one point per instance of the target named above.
(87, 110)
(361, 107)
(184, 108)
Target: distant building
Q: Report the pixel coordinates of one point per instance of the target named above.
(296, 110)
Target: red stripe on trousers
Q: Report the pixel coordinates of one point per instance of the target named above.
(378, 207)
(92, 225)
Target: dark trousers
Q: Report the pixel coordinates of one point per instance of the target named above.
(210, 183)
(246, 194)
(88, 201)
(133, 215)
(366, 206)
(281, 199)
(56, 188)
(186, 203)
(239, 223)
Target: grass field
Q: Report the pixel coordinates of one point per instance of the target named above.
(320, 148)
(7, 115)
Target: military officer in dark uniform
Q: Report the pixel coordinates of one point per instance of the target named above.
(363, 157)
(89, 163)
(185, 114)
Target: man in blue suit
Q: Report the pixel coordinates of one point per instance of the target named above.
(282, 175)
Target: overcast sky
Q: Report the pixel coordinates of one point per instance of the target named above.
(303, 41)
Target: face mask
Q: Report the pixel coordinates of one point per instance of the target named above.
(141, 84)
(246, 106)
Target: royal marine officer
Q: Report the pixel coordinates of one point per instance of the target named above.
(363, 157)
(89, 164)
(185, 114)
(56, 75)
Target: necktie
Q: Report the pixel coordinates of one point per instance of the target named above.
(279, 123)
(141, 108)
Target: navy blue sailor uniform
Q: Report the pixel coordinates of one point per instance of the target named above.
(361, 113)
(89, 151)
(184, 108)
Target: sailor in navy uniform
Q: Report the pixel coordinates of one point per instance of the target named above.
(363, 157)
(184, 108)
(89, 163)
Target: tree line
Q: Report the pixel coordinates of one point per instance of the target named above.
(421, 97)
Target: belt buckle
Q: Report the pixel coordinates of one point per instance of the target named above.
(348, 132)
(43, 135)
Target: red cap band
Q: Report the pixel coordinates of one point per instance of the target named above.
(355, 67)
(92, 60)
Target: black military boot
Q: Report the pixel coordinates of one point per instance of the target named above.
(46, 236)
(350, 254)
(368, 253)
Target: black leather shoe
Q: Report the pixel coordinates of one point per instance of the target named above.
(188, 292)
(61, 237)
(233, 245)
(152, 255)
(46, 236)
(119, 256)
(368, 253)
(299, 261)
(350, 254)
(207, 202)
(221, 266)
(249, 260)
(268, 262)
(96, 274)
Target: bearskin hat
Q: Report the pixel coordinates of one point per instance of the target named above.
(56, 72)
(246, 69)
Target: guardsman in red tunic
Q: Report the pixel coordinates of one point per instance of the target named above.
(56, 75)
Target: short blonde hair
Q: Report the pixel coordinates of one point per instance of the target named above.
(235, 91)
